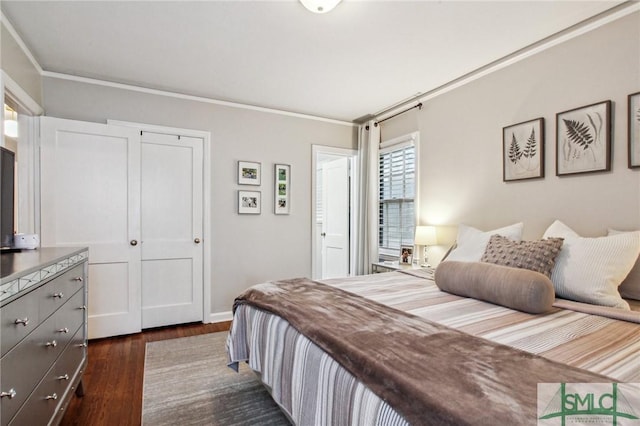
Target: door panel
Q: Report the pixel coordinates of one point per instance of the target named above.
(164, 274)
(171, 211)
(335, 225)
(108, 278)
(90, 196)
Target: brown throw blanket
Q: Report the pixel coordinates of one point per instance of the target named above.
(429, 373)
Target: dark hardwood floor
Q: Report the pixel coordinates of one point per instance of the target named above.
(113, 378)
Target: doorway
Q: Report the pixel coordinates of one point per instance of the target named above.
(333, 211)
(22, 140)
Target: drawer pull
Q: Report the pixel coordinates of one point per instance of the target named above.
(63, 377)
(22, 321)
(80, 279)
(82, 345)
(58, 295)
(51, 344)
(54, 396)
(11, 394)
(63, 330)
(83, 307)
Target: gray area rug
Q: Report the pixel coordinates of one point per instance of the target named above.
(187, 382)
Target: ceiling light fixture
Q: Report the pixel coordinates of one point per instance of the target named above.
(320, 6)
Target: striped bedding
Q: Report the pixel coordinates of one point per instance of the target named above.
(312, 388)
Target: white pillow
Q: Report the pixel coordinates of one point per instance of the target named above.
(630, 287)
(591, 269)
(471, 242)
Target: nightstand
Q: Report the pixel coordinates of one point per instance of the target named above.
(388, 266)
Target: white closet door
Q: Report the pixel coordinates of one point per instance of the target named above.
(90, 196)
(335, 224)
(171, 176)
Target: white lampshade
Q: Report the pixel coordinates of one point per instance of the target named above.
(320, 6)
(425, 236)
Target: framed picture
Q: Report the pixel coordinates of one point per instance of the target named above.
(249, 202)
(634, 130)
(583, 139)
(249, 173)
(282, 189)
(523, 150)
(406, 255)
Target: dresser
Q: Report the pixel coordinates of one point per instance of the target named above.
(43, 333)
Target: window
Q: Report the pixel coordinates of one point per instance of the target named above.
(397, 175)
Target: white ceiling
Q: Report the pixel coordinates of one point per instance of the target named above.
(358, 59)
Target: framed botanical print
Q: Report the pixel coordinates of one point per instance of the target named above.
(634, 130)
(583, 139)
(523, 150)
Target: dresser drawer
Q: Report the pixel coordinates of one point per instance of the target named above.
(68, 318)
(36, 306)
(52, 393)
(72, 364)
(59, 289)
(19, 318)
(24, 365)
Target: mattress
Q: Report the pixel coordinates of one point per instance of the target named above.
(312, 388)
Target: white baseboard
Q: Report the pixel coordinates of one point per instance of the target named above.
(220, 317)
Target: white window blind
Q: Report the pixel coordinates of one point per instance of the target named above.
(397, 174)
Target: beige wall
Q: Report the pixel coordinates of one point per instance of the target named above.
(246, 249)
(461, 139)
(16, 64)
(461, 152)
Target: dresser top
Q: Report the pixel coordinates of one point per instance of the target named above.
(22, 270)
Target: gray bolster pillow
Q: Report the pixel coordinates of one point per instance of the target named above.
(515, 288)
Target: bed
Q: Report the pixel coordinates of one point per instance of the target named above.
(395, 349)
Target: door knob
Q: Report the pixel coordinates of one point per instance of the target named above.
(10, 394)
(324, 234)
(197, 241)
(134, 242)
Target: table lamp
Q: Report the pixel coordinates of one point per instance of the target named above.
(425, 236)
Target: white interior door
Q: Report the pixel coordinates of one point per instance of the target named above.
(90, 196)
(171, 176)
(335, 221)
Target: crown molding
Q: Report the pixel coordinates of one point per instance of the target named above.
(597, 21)
(7, 24)
(134, 88)
(201, 99)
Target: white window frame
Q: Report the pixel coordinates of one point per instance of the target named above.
(412, 139)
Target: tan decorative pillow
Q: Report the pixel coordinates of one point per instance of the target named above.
(520, 289)
(538, 256)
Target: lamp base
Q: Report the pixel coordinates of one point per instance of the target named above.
(425, 261)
